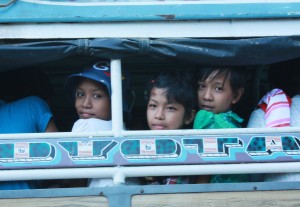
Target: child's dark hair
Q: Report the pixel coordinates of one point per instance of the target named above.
(178, 87)
(236, 76)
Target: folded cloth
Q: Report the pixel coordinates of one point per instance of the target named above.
(276, 105)
(295, 111)
(279, 109)
(257, 119)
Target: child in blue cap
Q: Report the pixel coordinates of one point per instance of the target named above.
(91, 90)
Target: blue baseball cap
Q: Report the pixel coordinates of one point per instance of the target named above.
(100, 72)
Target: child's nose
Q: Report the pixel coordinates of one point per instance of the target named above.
(159, 114)
(86, 103)
(207, 95)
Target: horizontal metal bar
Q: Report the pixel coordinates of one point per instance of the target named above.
(120, 173)
(174, 29)
(133, 133)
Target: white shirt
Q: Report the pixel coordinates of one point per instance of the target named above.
(91, 125)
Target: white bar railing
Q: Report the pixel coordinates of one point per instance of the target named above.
(120, 173)
(129, 133)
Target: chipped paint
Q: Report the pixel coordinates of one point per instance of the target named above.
(167, 16)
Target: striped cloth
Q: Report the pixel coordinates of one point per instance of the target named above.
(285, 112)
(276, 105)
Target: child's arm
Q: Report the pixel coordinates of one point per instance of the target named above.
(51, 127)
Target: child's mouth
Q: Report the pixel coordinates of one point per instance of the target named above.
(86, 115)
(207, 108)
(158, 127)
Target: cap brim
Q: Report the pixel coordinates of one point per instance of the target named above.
(72, 81)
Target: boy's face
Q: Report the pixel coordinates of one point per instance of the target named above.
(216, 95)
(92, 100)
(162, 114)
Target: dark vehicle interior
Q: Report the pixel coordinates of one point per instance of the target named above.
(40, 67)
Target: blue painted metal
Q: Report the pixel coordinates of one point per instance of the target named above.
(154, 150)
(41, 11)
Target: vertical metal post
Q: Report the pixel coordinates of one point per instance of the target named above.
(117, 124)
(116, 98)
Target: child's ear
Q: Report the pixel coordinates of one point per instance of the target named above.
(237, 95)
(190, 118)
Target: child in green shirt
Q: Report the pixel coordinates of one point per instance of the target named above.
(218, 90)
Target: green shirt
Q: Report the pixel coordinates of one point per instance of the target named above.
(208, 120)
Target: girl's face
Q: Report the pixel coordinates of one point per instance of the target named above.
(92, 100)
(162, 114)
(216, 95)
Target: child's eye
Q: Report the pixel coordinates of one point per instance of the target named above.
(201, 86)
(151, 105)
(79, 94)
(219, 88)
(171, 108)
(97, 96)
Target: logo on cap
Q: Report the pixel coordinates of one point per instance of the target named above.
(104, 66)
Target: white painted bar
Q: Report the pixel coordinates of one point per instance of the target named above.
(119, 173)
(172, 29)
(52, 135)
(186, 132)
(116, 98)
